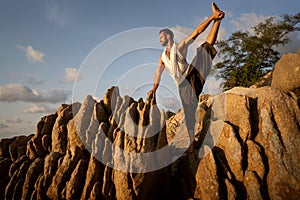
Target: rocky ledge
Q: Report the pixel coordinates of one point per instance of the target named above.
(247, 148)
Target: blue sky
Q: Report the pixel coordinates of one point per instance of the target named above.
(54, 52)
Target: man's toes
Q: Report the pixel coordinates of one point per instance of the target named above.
(215, 7)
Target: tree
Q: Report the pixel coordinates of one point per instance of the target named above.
(248, 57)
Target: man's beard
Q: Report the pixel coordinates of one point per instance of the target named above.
(164, 43)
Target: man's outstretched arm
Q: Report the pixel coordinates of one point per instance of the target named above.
(157, 76)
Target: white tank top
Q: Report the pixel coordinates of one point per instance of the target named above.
(177, 65)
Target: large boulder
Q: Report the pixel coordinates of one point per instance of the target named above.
(286, 74)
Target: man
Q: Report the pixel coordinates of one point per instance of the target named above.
(190, 78)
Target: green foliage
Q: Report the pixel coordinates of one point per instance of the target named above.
(248, 57)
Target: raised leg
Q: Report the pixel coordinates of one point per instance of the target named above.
(213, 33)
(216, 15)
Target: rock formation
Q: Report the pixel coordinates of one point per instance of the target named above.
(74, 153)
(285, 75)
(246, 147)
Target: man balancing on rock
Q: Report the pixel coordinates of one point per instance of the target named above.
(189, 78)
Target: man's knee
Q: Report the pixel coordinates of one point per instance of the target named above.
(208, 48)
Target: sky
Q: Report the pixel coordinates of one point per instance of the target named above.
(59, 51)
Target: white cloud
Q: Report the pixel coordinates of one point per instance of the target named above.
(33, 79)
(3, 126)
(169, 103)
(39, 108)
(71, 75)
(14, 74)
(246, 21)
(181, 32)
(15, 120)
(32, 55)
(55, 95)
(292, 46)
(212, 86)
(56, 13)
(19, 92)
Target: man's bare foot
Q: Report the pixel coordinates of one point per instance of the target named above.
(217, 13)
(220, 16)
(214, 7)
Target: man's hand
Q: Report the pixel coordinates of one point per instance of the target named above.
(150, 92)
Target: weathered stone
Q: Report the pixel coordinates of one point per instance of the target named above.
(96, 192)
(64, 172)
(238, 116)
(60, 131)
(278, 135)
(123, 185)
(100, 112)
(253, 186)
(46, 143)
(40, 191)
(16, 165)
(14, 187)
(231, 151)
(45, 179)
(266, 81)
(286, 72)
(15, 145)
(30, 152)
(37, 146)
(17, 193)
(92, 130)
(283, 167)
(49, 122)
(98, 148)
(50, 167)
(162, 139)
(108, 188)
(75, 184)
(5, 164)
(255, 159)
(78, 125)
(231, 191)
(207, 179)
(110, 99)
(34, 170)
(39, 127)
(4, 147)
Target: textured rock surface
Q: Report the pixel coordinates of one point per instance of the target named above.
(286, 72)
(247, 148)
(285, 75)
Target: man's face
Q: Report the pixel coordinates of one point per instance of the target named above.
(163, 39)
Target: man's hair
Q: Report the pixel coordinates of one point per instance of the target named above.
(167, 31)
